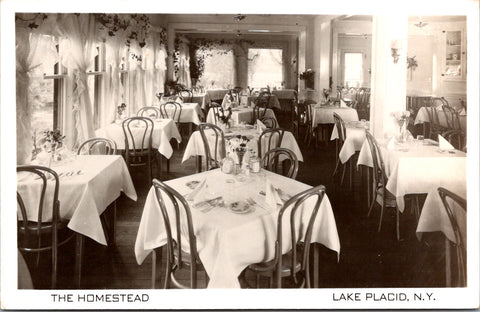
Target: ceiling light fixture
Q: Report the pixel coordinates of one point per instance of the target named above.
(420, 24)
(239, 17)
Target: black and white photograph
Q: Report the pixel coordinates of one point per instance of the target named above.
(247, 155)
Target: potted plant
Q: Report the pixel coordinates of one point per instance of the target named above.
(308, 76)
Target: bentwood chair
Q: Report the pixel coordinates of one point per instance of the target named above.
(181, 241)
(380, 194)
(302, 119)
(270, 139)
(296, 263)
(452, 118)
(457, 138)
(340, 124)
(171, 110)
(460, 248)
(215, 107)
(213, 154)
(102, 146)
(97, 146)
(272, 158)
(269, 122)
(150, 112)
(138, 148)
(186, 95)
(34, 233)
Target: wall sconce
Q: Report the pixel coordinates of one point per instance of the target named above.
(396, 46)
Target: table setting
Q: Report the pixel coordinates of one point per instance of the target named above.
(227, 213)
(240, 114)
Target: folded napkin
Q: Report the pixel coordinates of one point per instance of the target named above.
(444, 144)
(462, 112)
(391, 144)
(260, 126)
(193, 194)
(343, 104)
(179, 100)
(272, 197)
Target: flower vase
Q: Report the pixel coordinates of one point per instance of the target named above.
(240, 155)
(401, 131)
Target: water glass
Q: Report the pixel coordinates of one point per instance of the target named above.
(420, 139)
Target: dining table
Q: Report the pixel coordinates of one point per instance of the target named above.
(249, 100)
(88, 184)
(195, 146)
(240, 114)
(416, 166)
(354, 138)
(286, 97)
(191, 113)
(423, 116)
(202, 99)
(163, 131)
(228, 240)
(323, 114)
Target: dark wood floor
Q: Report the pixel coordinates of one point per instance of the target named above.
(367, 258)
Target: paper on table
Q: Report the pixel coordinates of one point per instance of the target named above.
(260, 126)
(391, 144)
(272, 198)
(444, 144)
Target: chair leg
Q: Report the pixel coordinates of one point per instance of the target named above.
(343, 173)
(398, 224)
(154, 268)
(372, 202)
(381, 215)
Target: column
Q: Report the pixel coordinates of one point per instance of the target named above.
(388, 78)
(170, 52)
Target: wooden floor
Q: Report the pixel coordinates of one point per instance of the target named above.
(367, 259)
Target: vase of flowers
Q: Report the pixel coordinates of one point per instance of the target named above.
(401, 120)
(238, 145)
(223, 116)
(53, 142)
(121, 111)
(308, 76)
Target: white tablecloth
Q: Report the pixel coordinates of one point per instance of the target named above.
(240, 114)
(355, 136)
(191, 112)
(163, 131)
(82, 197)
(422, 117)
(324, 114)
(202, 99)
(195, 144)
(285, 94)
(248, 100)
(216, 94)
(227, 242)
(416, 168)
(434, 217)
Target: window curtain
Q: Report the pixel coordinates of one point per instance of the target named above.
(183, 74)
(77, 47)
(28, 49)
(160, 65)
(136, 75)
(114, 89)
(148, 66)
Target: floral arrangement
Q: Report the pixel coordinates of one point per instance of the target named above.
(121, 109)
(401, 116)
(239, 143)
(222, 116)
(326, 93)
(53, 140)
(411, 63)
(306, 75)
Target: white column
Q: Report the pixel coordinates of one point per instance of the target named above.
(388, 78)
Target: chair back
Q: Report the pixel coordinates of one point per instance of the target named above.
(218, 149)
(269, 122)
(452, 118)
(379, 175)
(171, 110)
(270, 139)
(150, 112)
(299, 236)
(178, 225)
(139, 144)
(97, 146)
(460, 243)
(433, 116)
(340, 124)
(456, 138)
(272, 158)
(262, 101)
(186, 95)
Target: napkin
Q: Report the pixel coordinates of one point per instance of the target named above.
(193, 194)
(462, 112)
(391, 144)
(260, 126)
(179, 100)
(444, 144)
(343, 104)
(272, 197)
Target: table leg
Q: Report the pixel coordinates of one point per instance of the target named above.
(448, 268)
(78, 259)
(316, 263)
(199, 163)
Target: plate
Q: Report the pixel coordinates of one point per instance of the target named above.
(193, 184)
(241, 207)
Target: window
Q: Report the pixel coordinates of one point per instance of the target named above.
(47, 86)
(219, 70)
(265, 68)
(353, 69)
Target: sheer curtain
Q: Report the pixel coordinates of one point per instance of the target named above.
(77, 47)
(30, 52)
(114, 89)
(160, 65)
(136, 80)
(184, 66)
